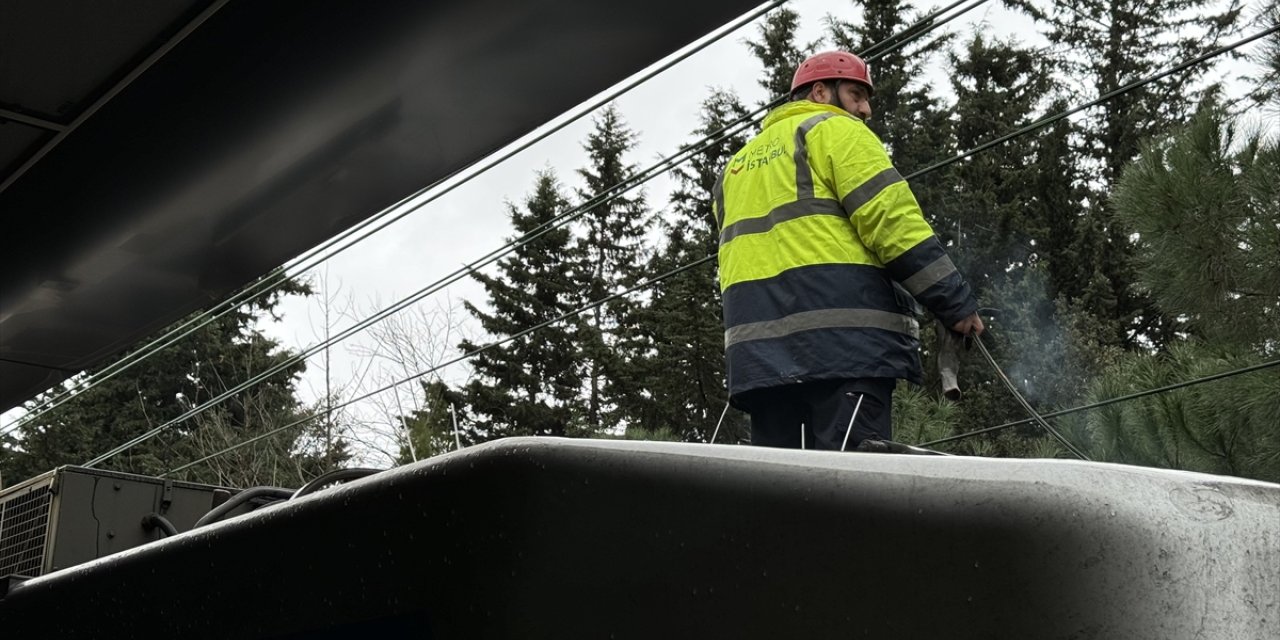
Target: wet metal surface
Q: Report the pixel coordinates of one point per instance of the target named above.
(267, 129)
(558, 538)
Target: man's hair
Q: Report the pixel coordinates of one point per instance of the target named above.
(803, 91)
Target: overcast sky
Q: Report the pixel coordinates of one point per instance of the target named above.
(472, 220)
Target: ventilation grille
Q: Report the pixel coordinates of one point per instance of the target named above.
(24, 526)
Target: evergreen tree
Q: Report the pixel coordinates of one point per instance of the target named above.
(205, 364)
(999, 87)
(610, 246)
(429, 431)
(1206, 206)
(684, 373)
(778, 52)
(911, 121)
(1107, 44)
(528, 386)
(1225, 427)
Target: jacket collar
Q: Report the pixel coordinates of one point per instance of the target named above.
(800, 107)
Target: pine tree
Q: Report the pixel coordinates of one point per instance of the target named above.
(999, 87)
(685, 372)
(1206, 206)
(205, 364)
(910, 119)
(528, 386)
(1225, 427)
(1107, 44)
(610, 245)
(778, 52)
(430, 431)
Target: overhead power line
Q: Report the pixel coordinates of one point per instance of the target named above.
(716, 136)
(696, 263)
(661, 167)
(354, 235)
(1137, 84)
(657, 169)
(1108, 402)
(466, 356)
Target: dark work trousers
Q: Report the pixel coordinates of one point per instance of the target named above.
(824, 408)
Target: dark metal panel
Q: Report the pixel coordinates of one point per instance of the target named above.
(59, 55)
(17, 141)
(537, 538)
(276, 125)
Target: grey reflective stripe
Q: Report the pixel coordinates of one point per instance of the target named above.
(788, 211)
(870, 189)
(717, 192)
(822, 319)
(804, 175)
(929, 276)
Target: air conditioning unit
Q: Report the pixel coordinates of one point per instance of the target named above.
(72, 515)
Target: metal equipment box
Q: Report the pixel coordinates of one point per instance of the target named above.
(73, 515)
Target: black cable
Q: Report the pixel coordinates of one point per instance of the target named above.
(157, 521)
(332, 477)
(466, 356)
(561, 220)
(605, 196)
(266, 285)
(925, 23)
(219, 512)
(1028, 129)
(1044, 122)
(1036, 417)
(1110, 401)
(932, 26)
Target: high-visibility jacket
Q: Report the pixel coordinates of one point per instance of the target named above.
(815, 227)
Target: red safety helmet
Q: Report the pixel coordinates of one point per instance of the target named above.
(832, 65)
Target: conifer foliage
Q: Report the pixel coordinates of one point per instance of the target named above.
(529, 386)
(215, 358)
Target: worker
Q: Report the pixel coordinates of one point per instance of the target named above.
(822, 248)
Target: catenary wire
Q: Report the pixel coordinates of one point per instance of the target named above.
(607, 195)
(1044, 122)
(326, 250)
(1107, 402)
(317, 256)
(938, 165)
(470, 354)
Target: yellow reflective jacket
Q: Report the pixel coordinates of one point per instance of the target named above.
(816, 226)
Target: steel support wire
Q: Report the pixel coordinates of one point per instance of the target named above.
(459, 274)
(1107, 402)
(661, 167)
(931, 25)
(317, 256)
(1023, 131)
(326, 250)
(922, 25)
(1044, 122)
(466, 356)
(1036, 417)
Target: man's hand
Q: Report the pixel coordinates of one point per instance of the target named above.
(969, 326)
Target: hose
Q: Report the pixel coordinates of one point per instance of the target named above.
(157, 521)
(1023, 401)
(219, 512)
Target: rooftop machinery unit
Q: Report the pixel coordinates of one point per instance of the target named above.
(72, 515)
